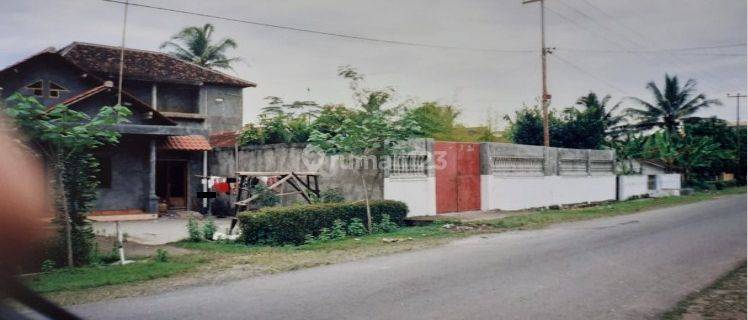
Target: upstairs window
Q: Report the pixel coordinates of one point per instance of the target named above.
(36, 88)
(55, 90)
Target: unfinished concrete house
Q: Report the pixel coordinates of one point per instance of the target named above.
(176, 106)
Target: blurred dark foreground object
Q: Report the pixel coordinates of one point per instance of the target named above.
(24, 206)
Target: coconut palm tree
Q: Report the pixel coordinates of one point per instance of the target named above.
(672, 104)
(612, 123)
(195, 44)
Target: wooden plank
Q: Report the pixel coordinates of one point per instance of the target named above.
(302, 192)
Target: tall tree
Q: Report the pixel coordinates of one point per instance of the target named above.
(436, 121)
(367, 131)
(612, 123)
(66, 138)
(195, 44)
(672, 104)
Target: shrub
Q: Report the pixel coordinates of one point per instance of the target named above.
(356, 228)
(332, 195)
(338, 230)
(266, 197)
(284, 225)
(385, 224)
(324, 235)
(161, 256)
(209, 228)
(252, 134)
(193, 232)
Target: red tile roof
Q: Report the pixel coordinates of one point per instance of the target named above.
(185, 143)
(223, 139)
(145, 65)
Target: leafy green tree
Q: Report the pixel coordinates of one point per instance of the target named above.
(729, 140)
(686, 154)
(195, 44)
(371, 131)
(436, 121)
(65, 138)
(613, 123)
(671, 105)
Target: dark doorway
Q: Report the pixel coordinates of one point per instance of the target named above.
(171, 183)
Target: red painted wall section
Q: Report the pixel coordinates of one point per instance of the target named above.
(457, 176)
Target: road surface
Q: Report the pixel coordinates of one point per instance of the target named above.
(626, 267)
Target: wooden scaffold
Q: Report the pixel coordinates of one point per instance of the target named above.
(305, 184)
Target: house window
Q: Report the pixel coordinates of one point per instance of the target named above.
(55, 90)
(36, 88)
(105, 172)
(652, 182)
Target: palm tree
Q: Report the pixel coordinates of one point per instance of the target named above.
(612, 123)
(194, 44)
(673, 104)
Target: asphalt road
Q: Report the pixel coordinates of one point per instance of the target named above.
(627, 267)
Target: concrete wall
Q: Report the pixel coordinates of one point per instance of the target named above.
(223, 107)
(48, 70)
(515, 177)
(418, 193)
(335, 171)
(516, 193)
(130, 171)
(410, 178)
(632, 186)
(669, 184)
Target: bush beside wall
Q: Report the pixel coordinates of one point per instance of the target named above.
(289, 225)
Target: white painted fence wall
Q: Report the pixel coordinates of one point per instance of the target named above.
(516, 193)
(419, 193)
(410, 178)
(669, 184)
(632, 186)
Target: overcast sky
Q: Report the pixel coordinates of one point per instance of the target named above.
(598, 43)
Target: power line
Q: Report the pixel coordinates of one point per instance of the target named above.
(710, 47)
(318, 32)
(671, 51)
(646, 39)
(592, 75)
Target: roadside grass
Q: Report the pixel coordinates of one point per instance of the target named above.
(209, 262)
(539, 219)
(66, 279)
(724, 299)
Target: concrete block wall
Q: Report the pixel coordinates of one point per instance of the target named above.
(632, 186)
(335, 171)
(515, 177)
(415, 187)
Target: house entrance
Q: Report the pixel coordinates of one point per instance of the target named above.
(171, 183)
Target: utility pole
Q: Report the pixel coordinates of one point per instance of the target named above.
(545, 97)
(737, 97)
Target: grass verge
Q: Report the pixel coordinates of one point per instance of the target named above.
(539, 219)
(725, 299)
(97, 276)
(210, 262)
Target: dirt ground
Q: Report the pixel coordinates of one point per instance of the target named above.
(724, 300)
(136, 250)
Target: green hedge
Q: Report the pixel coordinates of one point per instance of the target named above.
(284, 225)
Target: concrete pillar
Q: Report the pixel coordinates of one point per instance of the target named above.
(152, 197)
(205, 177)
(154, 97)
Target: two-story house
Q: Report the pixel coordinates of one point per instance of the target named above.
(176, 106)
